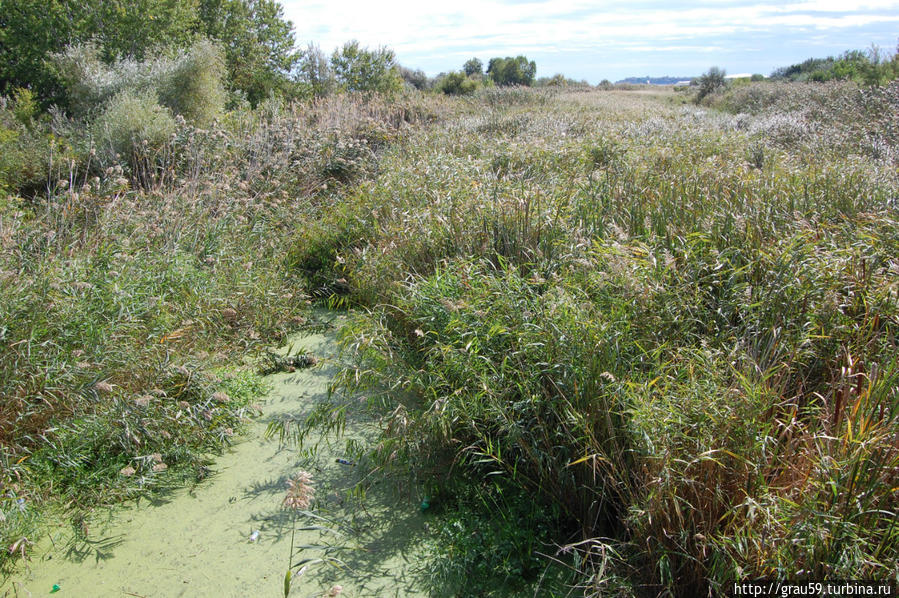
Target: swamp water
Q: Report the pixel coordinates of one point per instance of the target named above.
(197, 541)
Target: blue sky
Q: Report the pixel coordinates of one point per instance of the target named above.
(602, 40)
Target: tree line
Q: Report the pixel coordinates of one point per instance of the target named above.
(256, 40)
(257, 44)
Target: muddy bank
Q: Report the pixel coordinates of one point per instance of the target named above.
(202, 541)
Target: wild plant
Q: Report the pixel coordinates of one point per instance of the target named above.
(644, 328)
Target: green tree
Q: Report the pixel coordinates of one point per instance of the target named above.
(512, 71)
(361, 69)
(135, 28)
(258, 44)
(416, 78)
(314, 71)
(257, 41)
(710, 82)
(31, 31)
(473, 66)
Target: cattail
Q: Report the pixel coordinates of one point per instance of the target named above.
(299, 491)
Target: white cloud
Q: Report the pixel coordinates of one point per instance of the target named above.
(418, 30)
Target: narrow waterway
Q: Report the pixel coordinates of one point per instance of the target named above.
(231, 536)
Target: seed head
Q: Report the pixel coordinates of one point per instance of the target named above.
(299, 491)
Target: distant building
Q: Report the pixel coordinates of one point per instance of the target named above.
(739, 76)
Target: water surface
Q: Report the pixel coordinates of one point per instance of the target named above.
(196, 541)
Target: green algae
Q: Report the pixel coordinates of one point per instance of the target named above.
(203, 541)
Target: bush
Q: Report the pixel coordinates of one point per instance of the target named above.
(88, 82)
(416, 79)
(711, 82)
(135, 128)
(874, 67)
(192, 85)
(457, 83)
(24, 147)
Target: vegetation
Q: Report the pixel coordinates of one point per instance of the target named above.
(673, 331)
(711, 82)
(364, 70)
(258, 43)
(511, 71)
(141, 258)
(456, 83)
(620, 345)
(874, 67)
(315, 73)
(473, 66)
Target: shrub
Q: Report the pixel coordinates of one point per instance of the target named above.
(456, 83)
(24, 145)
(33, 31)
(415, 78)
(711, 82)
(134, 128)
(192, 84)
(87, 80)
(874, 67)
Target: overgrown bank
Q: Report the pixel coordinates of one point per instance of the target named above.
(142, 266)
(656, 344)
(662, 340)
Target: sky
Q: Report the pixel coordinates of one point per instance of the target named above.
(602, 40)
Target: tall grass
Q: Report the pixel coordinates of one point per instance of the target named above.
(132, 286)
(653, 345)
(675, 326)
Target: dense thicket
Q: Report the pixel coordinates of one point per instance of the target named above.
(658, 344)
(663, 340)
(258, 42)
(874, 67)
(512, 71)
